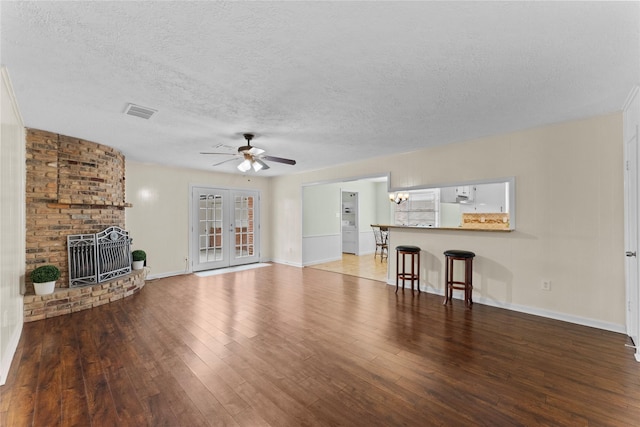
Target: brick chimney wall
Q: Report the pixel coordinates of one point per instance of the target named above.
(73, 186)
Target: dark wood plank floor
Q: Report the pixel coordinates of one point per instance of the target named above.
(285, 346)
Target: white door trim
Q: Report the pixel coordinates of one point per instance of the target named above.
(631, 126)
(228, 229)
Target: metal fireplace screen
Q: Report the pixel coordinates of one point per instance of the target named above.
(95, 258)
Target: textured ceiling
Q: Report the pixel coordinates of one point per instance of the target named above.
(324, 83)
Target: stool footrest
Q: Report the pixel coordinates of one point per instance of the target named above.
(463, 284)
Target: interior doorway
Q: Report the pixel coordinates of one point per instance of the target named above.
(324, 236)
(225, 226)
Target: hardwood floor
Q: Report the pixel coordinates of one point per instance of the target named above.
(362, 266)
(286, 346)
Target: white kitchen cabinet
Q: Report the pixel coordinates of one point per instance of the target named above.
(465, 191)
(448, 195)
(490, 198)
(349, 240)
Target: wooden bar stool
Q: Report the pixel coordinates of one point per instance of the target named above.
(450, 284)
(414, 276)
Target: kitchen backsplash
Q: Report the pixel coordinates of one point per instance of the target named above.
(485, 220)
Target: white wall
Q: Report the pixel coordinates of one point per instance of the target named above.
(569, 207)
(158, 222)
(12, 224)
(321, 210)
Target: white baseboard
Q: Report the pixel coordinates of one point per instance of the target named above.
(166, 274)
(578, 320)
(293, 264)
(366, 253)
(322, 261)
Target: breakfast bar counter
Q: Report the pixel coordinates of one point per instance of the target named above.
(413, 227)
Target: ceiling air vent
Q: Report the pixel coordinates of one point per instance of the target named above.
(138, 111)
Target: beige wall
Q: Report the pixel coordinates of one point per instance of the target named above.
(384, 211)
(569, 207)
(158, 222)
(12, 224)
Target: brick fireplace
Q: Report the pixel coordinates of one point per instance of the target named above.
(73, 186)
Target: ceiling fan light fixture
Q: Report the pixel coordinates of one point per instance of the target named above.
(244, 166)
(256, 166)
(398, 198)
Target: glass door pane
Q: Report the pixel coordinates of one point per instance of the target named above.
(245, 221)
(211, 227)
(211, 217)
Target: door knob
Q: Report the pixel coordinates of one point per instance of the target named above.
(629, 253)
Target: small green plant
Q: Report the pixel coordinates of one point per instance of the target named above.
(138, 255)
(45, 273)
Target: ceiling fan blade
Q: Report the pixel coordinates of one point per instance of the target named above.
(261, 163)
(224, 161)
(279, 160)
(255, 151)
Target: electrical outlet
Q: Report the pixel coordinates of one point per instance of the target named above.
(546, 285)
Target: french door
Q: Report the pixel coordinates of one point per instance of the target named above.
(225, 228)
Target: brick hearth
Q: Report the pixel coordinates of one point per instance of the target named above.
(65, 300)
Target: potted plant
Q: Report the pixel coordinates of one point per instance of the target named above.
(44, 279)
(139, 257)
